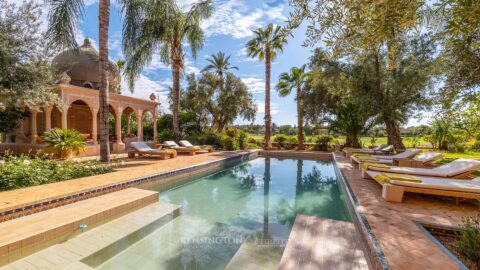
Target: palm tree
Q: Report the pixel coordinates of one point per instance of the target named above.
(296, 79)
(265, 45)
(64, 20)
(219, 63)
(161, 27)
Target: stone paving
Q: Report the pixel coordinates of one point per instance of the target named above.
(132, 168)
(404, 245)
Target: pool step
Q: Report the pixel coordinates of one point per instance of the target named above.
(319, 243)
(24, 236)
(253, 255)
(89, 249)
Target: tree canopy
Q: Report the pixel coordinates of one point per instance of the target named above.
(25, 75)
(218, 101)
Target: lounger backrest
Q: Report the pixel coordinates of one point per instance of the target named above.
(140, 146)
(380, 147)
(171, 143)
(428, 156)
(388, 148)
(185, 143)
(408, 153)
(458, 166)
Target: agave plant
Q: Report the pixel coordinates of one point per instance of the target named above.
(65, 141)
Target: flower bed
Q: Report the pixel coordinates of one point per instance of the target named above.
(24, 171)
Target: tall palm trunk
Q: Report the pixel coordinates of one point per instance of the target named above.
(103, 18)
(268, 117)
(177, 56)
(300, 118)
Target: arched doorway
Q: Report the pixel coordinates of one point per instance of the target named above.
(129, 122)
(79, 117)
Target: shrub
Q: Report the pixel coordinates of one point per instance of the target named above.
(280, 138)
(322, 141)
(469, 242)
(24, 171)
(228, 143)
(242, 139)
(65, 141)
(165, 135)
(476, 145)
(209, 139)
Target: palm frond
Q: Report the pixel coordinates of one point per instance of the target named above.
(64, 18)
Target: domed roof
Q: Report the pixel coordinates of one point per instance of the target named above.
(82, 67)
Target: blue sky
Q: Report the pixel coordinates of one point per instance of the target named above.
(228, 30)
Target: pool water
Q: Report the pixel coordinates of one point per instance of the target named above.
(249, 207)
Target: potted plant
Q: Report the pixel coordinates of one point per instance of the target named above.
(65, 142)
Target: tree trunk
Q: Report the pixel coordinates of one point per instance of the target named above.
(177, 58)
(268, 117)
(393, 133)
(300, 118)
(103, 18)
(352, 142)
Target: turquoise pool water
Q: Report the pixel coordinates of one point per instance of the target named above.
(243, 213)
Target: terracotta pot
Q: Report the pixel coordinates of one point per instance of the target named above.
(65, 155)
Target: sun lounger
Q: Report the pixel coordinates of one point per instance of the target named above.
(141, 149)
(461, 169)
(200, 149)
(409, 153)
(348, 151)
(460, 189)
(419, 161)
(180, 149)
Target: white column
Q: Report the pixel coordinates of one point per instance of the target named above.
(139, 125)
(94, 125)
(48, 118)
(33, 126)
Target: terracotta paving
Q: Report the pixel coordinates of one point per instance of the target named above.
(132, 168)
(320, 243)
(404, 245)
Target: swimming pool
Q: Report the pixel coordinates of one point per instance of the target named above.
(251, 204)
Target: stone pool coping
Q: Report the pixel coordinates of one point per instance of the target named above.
(184, 166)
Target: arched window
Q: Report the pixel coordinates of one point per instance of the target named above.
(88, 84)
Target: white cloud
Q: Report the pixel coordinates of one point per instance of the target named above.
(144, 87)
(243, 56)
(261, 108)
(234, 18)
(189, 67)
(254, 85)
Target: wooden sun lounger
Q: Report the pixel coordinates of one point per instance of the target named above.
(173, 145)
(203, 148)
(459, 189)
(459, 169)
(142, 149)
(421, 161)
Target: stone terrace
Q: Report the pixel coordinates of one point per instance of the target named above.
(404, 245)
(132, 169)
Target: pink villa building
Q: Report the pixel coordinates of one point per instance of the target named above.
(78, 84)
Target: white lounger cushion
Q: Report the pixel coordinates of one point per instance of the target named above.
(451, 169)
(472, 186)
(186, 143)
(171, 144)
(406, 154)
(427, 156)
(142, 147)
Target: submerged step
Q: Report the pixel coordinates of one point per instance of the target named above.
(22, 237)
(89, 249)
(319, 243)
